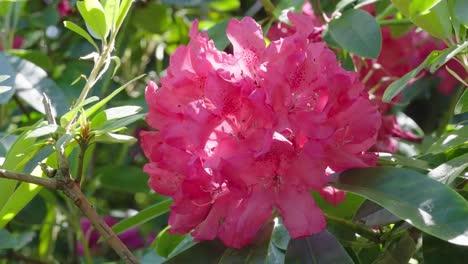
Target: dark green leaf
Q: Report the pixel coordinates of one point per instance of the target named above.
(143, 216)
(318, 248)
(372, 214)
(452, 139)
(397, 86)
(447, 55)
(398, 251)
(421, 201)
(462, 104)
(357, 32)
(255, 252)
(447, 172)
(152, 12)
(208, 252)
(123, 178)
(436, 251)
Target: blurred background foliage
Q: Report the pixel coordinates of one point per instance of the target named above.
(115, 183)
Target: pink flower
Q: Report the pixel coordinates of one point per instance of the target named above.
(240, 136)
(64, 8)
(281, 30)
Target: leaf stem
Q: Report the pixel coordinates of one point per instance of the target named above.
(358, 229)
(268, 6)
(388, 22)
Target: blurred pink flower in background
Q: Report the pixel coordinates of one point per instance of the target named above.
(242, 135)
(131, 238)
(64, 8)
(18, 43)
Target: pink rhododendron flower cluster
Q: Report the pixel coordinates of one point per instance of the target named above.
(241, 136)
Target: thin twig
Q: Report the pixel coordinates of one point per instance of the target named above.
(44, 182)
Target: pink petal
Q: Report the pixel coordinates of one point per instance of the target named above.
(301, 216)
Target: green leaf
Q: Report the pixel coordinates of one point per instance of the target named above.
(20, 198)
(447, 172)
(15, 241)
(372, 214)
(166, 242)
(460, 10)
(114, 113)
(453, 139)
(318, 248)
(94, 16)
(123, 11)
(395, 159)
(255, 252)
(31, 83)
(436, 21)
(67, 118)
(152, 12)
(78, 30)
(447, 55)
(112, 138)
(218, 34)
(398, 251)
(418, 7)
(143, 216)
(344, 210)
(397, 86)
(34, 56)
(462, 104)
(209, 252)
(111, 11)
(357, 32)
(93, 109)
(421, 201)
(20, 153)
(118, 124)
(436, 251)
(123, 178)
(7, 88)
(44, 130)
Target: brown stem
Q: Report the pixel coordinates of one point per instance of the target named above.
(47, 183)
(73, 191)
(65, 183)
(318, 12)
